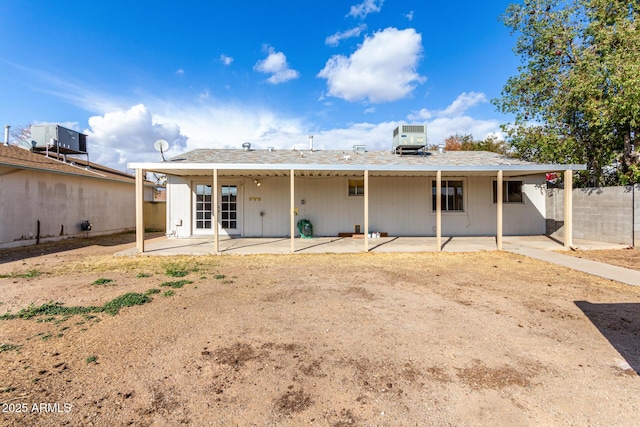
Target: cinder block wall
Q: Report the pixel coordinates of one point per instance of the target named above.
(636, 214)
(606, 214)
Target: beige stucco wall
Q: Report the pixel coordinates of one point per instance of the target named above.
(155, 215)
(61, 202)
(400, 206)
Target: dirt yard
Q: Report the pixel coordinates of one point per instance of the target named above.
(369, 339)
(627, 258)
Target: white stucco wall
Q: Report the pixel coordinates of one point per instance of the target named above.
(400, 206)
(61, 202)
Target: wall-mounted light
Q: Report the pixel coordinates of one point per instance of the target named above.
(256, 182)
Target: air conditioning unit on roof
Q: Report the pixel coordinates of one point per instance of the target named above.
(408, 138)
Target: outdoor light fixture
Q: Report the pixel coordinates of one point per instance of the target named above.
(256, 182)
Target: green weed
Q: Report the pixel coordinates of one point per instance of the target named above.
(57, 309)
(102, 281)
(91, 359)
(168, 294)
(29, 274)
(127, 300)
(152, 291)
(176, 284)
(141, 275)
(9, 347)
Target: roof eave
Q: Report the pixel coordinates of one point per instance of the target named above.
(166, 167)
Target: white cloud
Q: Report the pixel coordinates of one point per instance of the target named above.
(463, 102)
(179, 71)
(382, 69)
(334, 40)
(366, 7)
(125, 136)
(454, 119)
(409, 16)
(227, 125)
(122, 136)
(226, 60)
(276, 64)
(422, 114)
(441, 128)
(458, 107)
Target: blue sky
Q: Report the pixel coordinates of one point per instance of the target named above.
(214, 74)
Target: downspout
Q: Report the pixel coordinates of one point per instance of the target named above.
(6, 135)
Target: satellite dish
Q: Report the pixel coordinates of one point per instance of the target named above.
(161, 145)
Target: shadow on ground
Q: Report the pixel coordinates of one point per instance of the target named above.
(25, 252)
(620, 324)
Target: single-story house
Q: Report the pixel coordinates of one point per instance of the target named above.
(264, 193)
(45, 196)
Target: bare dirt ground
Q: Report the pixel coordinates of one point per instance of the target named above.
(368, 339)
(627, 258)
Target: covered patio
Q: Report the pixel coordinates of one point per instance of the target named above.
(290, 167)
(163, 246)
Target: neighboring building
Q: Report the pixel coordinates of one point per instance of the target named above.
(263, 193)
(43, 198)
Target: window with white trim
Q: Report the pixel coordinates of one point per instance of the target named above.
(511, 192)
(356, 187)
(452, 195)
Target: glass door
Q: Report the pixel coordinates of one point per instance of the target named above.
(203, 215)
(229, 218)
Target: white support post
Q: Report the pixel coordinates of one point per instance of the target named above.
(215, 213)
(568, 208)
(499, 196)
(140, 210)
(366, 211)
(293, 212)
(439, 210)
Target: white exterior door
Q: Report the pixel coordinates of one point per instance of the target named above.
(203, 216)
(230, 219)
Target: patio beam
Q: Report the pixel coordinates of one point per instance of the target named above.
(366, 210)
(439, 211)
(215, 212)
(293, 212)
(499, 195)
(568, 208)
(140, 210)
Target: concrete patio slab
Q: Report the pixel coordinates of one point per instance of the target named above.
(282, 245)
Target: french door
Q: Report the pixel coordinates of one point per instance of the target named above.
(228, 211)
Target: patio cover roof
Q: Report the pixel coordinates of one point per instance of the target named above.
(262, 163)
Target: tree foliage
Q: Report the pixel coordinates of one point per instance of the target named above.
(576, 98)
(465, 142)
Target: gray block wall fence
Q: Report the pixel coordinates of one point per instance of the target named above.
(606, 214)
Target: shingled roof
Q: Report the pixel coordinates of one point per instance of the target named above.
(239, 162)
(13, 156)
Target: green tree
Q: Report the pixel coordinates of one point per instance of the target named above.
(577, 95)
(466, 142)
